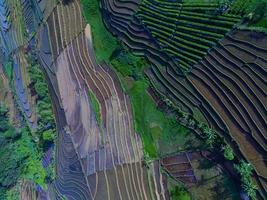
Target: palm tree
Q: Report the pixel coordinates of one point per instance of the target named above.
(210, 136)
(250, 188)
(244, 169)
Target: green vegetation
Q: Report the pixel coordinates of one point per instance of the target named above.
(8, 70)
(46, 130)
(128, 64)
(144, 111)
(19, 156)
(245, 171)
(186, 30)
(179, 193)
(156, 128)
(96, 107)
(46, 122)
(228, 153)
(254, 10)
(210, 136)
(103, 41)
(48, 135)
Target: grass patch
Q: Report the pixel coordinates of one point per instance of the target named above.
(128, 64)
(145, 112)
(8, 70)
(103, 41)
(155, 127)
(262, 23)
(96, 107)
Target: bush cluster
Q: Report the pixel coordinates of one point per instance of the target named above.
(46, 122)
(18, 154)
(245, 169)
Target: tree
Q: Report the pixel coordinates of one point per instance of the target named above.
(244, 169)
(250, 188)
(9, 168)
(41, 89)
(179, 193)
(259, 11)
(201, 125)
(35, 73)
(48, 135)
(210, 136)
(228, 152)
(191, 122)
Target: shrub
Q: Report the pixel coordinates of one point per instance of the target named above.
(48, 135)
(41, 89)
(46, 121)
(245, 171)
(210, 136)
(4, 123)
(228, 152)
(250, 188)
(179, 193)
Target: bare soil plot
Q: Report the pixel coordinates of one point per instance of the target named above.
(179, 166)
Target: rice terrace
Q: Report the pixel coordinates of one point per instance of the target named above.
(133, 99)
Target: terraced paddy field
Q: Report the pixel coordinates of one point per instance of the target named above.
(173, 33)
(185, 30)
(226, 68)
(25, 98)
(101, 149)
(240, 67)
(120, 19)
(195, 59)
(64, 24)
(228, 87)
(97, 141)
(6, 94)
(203, 182)
(13, 26)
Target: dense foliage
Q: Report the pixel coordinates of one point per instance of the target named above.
(254, 10)
(245, 171)
(228, 152)
(46, 121)
(18, 154)
(179, 193)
